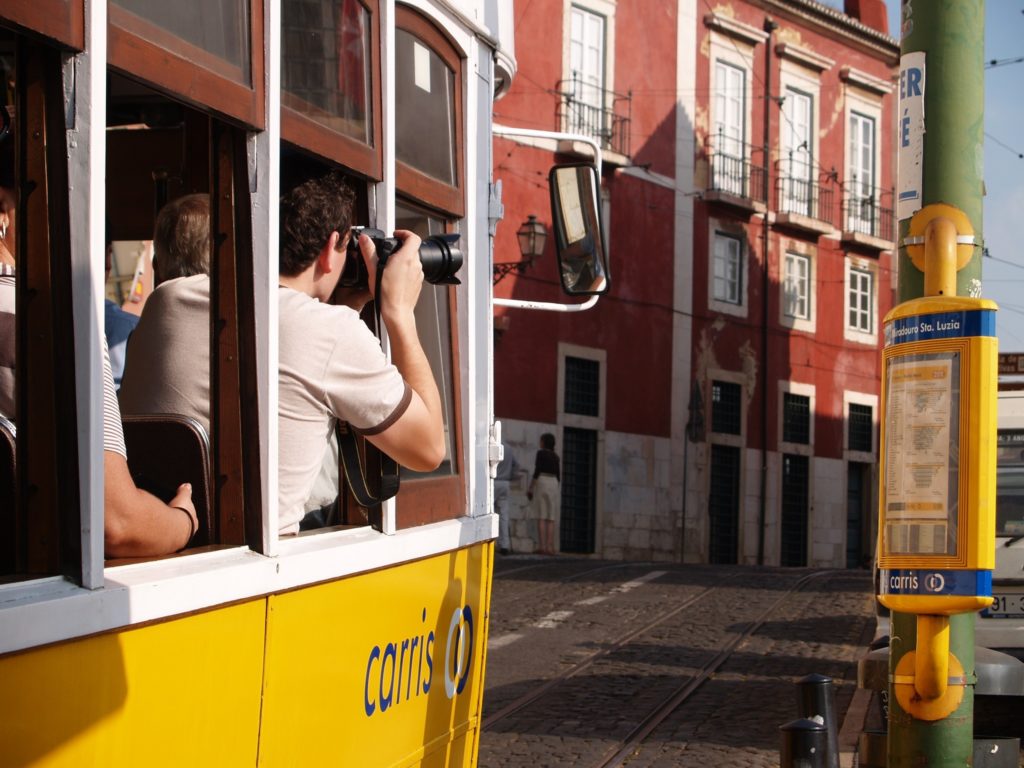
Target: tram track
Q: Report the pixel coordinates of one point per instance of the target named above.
(547, 586)
(616, 755)
(539, 691)
(604, 709)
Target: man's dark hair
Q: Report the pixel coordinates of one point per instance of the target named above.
(181, 238)
(547, 440)
(309, 213)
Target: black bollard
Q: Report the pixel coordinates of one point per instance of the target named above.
(804, 744)
(817, 698)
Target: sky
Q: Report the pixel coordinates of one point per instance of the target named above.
(1003, 272)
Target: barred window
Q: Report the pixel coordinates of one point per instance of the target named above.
(582, 386)
(861, 428)
(726, 408)
(796, 418)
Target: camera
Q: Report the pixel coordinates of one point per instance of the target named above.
(439, 255)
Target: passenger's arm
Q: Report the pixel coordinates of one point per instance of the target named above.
(138, 524)
(416, 439)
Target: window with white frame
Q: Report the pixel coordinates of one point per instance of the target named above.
(728, 129)
(797, 149)
(727, 283)
(796, 286)
(862, 202)
(861, 300)
(587, 68)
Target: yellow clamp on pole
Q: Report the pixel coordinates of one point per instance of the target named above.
(931, 665)
(940, 242)
(929, 681)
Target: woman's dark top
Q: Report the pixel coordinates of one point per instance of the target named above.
(546, 463)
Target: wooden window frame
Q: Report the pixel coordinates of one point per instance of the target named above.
(412, 182)
(61, 21)
(433, 499)
(188, 72)
(46, 527)
(302, 131)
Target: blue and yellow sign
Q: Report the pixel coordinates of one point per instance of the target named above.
(937, 497)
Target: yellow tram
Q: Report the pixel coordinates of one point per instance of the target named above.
(361, 644)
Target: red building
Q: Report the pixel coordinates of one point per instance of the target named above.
(720, 404)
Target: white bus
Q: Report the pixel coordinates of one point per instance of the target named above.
(1001, 626)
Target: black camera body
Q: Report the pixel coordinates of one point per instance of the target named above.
(440, 257)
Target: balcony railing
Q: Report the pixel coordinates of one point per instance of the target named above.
(595, 112)
(735, 169)
(805, 197)
(869, 211)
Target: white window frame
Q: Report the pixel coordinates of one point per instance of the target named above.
(724, 305)
(871, 401)
(729, 129)
(855, 268)
(605, 9)
(861, 185)
(580, 421)
(800, 75)
(861, 105)
(724, 438)
(794, 318)
(737, 52)
(797, 155)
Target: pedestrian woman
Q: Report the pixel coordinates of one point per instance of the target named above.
(545, 485)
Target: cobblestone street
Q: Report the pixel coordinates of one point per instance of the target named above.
(581, 651)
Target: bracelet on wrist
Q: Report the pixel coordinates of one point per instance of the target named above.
(191, 526)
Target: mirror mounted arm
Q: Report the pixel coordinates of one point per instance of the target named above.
(534, 133)
(549, 306)
(576, 212)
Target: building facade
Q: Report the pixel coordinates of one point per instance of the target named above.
(720, 404)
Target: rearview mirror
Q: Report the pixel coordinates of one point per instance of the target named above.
(576, 216)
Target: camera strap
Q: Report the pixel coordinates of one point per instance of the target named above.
(355, 472)
(352, 461)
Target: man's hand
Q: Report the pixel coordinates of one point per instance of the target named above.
(416, 439)
(402, 277)
(183, 500)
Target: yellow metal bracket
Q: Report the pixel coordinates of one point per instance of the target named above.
(906, 686)
(940, 242)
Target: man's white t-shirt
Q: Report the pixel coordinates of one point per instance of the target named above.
(331, 366)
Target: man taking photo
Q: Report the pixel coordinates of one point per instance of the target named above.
(331, 365)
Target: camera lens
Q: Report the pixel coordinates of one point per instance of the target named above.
(439, 255)
(441, 259)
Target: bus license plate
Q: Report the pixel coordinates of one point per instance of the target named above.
(1005, 605)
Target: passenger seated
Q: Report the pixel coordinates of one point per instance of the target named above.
(117, 324)
(136, 523)
(330, 364)
(167, 366)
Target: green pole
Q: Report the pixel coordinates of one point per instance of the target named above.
(951, 33)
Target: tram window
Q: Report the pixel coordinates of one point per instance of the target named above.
(172, 196)
(330, 75)
(206, 51)
(429, 147)
(428, 114)
(219, 28)
(433, 319)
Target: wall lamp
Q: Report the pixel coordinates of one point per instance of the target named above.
(531, 235)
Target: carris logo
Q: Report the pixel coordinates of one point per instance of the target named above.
(934, 582)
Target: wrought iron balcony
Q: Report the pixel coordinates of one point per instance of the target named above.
(735, 170)
(806, 197)
(869, 211)
(595, 112)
